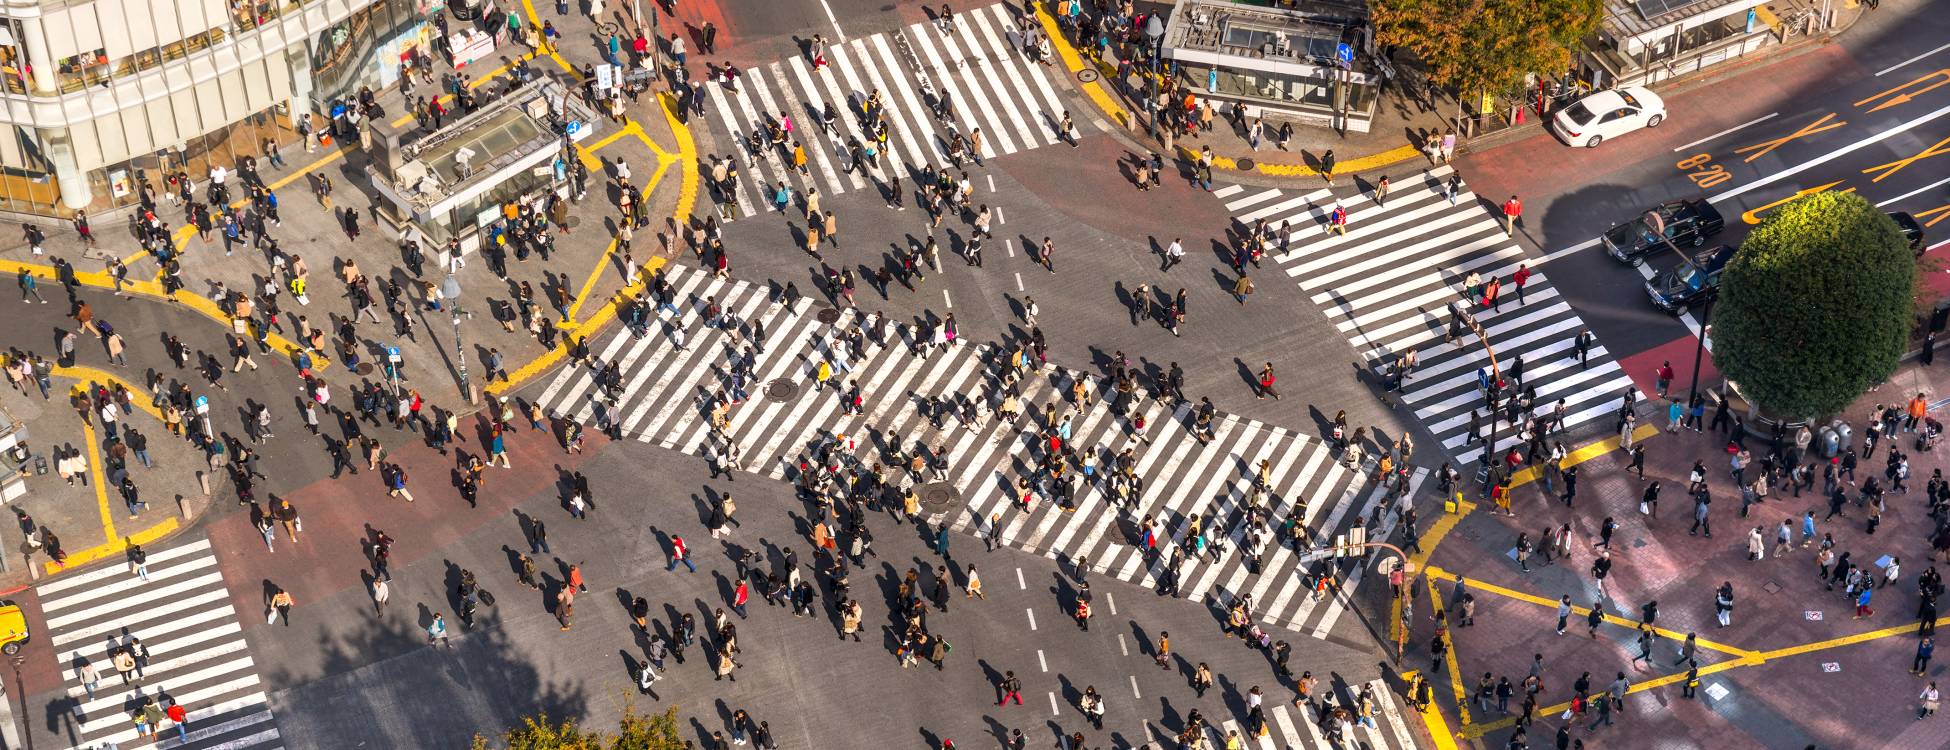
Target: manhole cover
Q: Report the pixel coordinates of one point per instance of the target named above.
(1245, 165)
(1771, 587)
(364, 368)
(828, 315)
(938, 496)
(1086, 75)
(575, 221)
(781, 389)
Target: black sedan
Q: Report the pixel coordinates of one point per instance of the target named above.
(1694, 282)
(1685, 223)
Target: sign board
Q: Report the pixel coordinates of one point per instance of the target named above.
(1344, 52)
(203, 404)
(1812, 615)
(542, 171)
(605, 76)
(574, 127)
(392, 354)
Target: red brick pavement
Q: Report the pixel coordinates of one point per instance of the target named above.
(337, 513)
(1869, 702)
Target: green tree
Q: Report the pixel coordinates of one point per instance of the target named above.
(1815, 306)
(1479, 46)
(635, 732)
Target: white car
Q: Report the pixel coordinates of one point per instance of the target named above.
(1609, 114)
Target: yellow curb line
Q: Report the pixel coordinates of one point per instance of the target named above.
(1582, 454)
(82, 375)
(77, 558)
(153, 290)
(686, 197)
(1455, 673)
(1074, 62)
(1474, 584)
(1390, 157)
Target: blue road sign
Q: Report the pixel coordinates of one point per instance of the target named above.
(1345, 52)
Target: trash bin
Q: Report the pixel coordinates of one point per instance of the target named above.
(1842, 433)
(1831, 444)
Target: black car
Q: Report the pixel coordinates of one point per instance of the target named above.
(1694, 282)
(1912, 231)
(1686, 223)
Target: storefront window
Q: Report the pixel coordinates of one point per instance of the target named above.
(355, 52)
(13, 60)
(79, 71)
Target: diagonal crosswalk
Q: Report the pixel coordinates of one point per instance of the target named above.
(666, 396)
(197, 654)
(1292, 726)
(978, 66)
(1387, 283)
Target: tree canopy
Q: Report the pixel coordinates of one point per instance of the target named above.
(1473, 46)
(1815, 307)
(634, 732)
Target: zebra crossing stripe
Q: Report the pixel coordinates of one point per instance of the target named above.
(803, 135)
(947, 84)
(196, 652)
(665, 393)
(816, 98)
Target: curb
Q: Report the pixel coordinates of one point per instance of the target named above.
(1263, 175)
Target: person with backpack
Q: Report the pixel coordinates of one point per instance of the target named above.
(396, 482)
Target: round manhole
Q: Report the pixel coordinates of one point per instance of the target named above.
(828, 315)
(1245, 165)
(781, 389)
(364, 368)
(937, 496)
(1087, 75)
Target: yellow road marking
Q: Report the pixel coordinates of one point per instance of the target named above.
(1390, 157)
(194, 302)
(686, 197)
(1761, 149)
(1473, 732)
(1436, 572)
(101, 482)
(1582, 454)
(1897, 166)
(86, 374)
(115, 546)
(1074, 62)
(1449, 657)
(1903, 96)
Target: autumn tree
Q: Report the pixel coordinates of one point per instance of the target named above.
(634, 732)
(1486, 46)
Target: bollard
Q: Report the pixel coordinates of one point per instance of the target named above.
(203, 480)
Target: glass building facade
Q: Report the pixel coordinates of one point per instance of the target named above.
(98, 96)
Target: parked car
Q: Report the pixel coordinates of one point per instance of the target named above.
(1608, 114)
(13, 627)
(1685, 222)
(1694, 282)
(1912, 231)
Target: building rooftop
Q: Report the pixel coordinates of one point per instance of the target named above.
(1309, 32)
(1635, 17)
(507, 130)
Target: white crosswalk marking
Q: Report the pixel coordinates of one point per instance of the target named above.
(196, 653)
(665, 395)
(979, 67)
(1387, 285)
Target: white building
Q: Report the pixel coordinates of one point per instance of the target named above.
(101, 93)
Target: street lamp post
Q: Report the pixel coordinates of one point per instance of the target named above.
(1699, 346)
(451, 290)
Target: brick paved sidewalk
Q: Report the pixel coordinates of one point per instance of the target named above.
(1785, 622)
